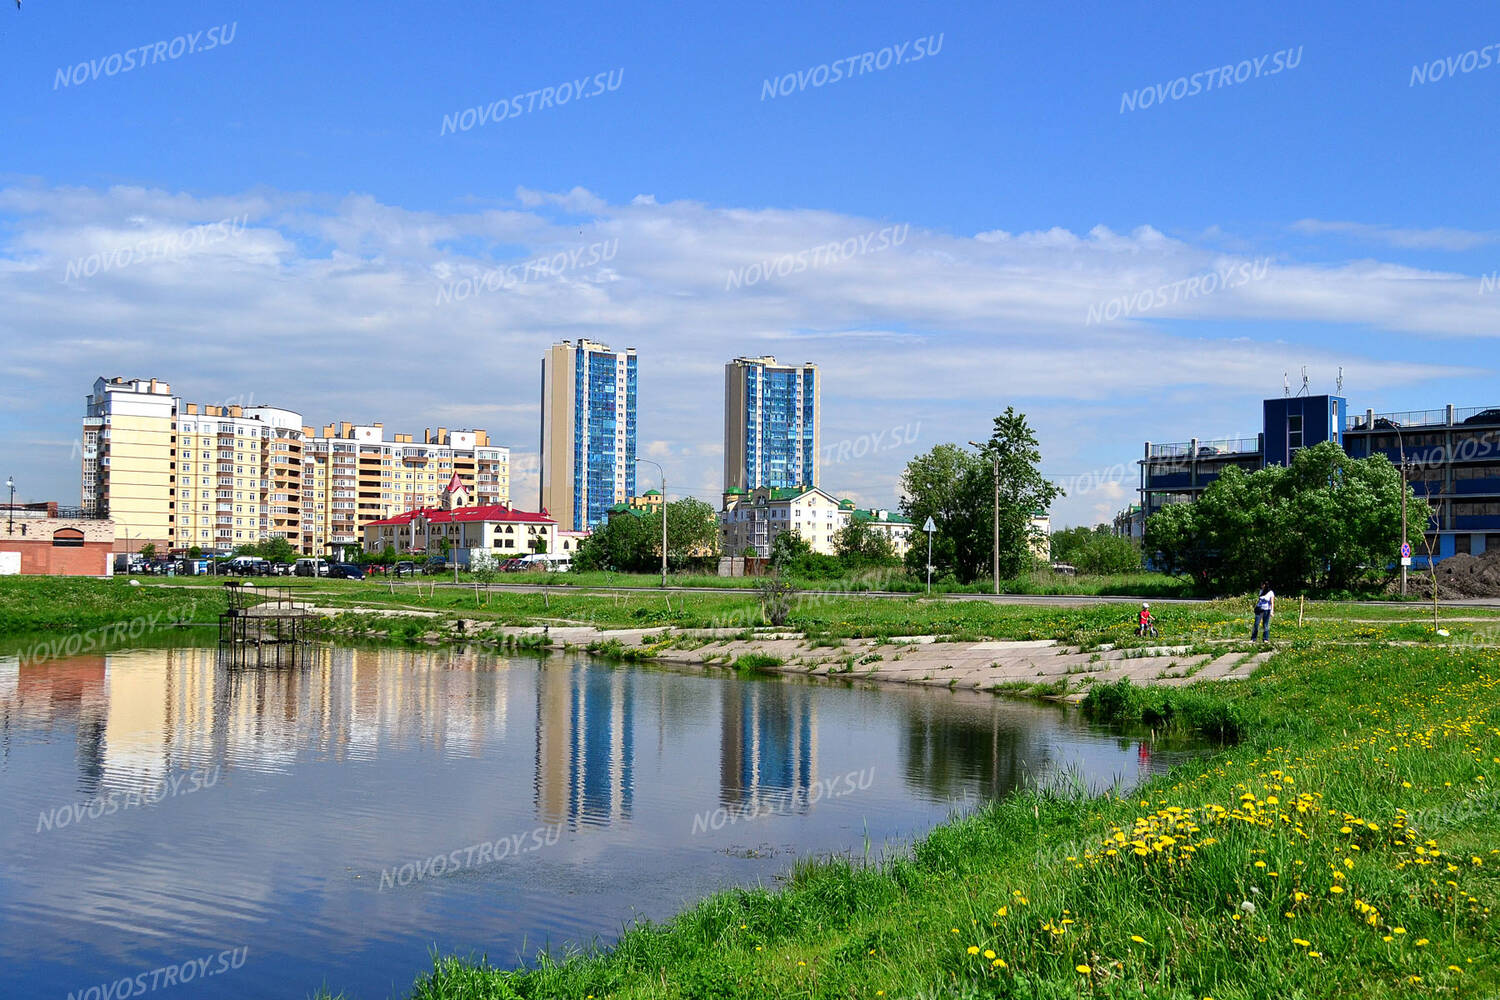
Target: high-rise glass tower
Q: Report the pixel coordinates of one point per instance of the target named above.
(588, 431)
(770, 424)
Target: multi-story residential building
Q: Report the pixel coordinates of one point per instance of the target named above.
(771, 418)
(468, 528)
(588, 431)
(1452, 455)
(238, 475)
(179, 474)
(753, 519)
(353, 475)
(128, 460)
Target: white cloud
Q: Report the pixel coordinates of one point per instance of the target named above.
(329, 306)
(1437, 238)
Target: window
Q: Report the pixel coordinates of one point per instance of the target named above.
(67, 538)
(1293, 433)
(1461, 544)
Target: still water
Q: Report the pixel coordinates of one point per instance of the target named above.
(170, 823)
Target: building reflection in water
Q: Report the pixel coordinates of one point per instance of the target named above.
(585, 743)
(140, 715)
(768, 743)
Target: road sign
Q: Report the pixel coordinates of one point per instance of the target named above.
(1406, 552)
(1406, 560)
(929, 526)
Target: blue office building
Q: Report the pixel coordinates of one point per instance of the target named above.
(1452, 458)
(770, 425)
(588, 443)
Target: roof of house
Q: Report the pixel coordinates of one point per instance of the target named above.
(486, 512)
(455, 484)
(871, 515)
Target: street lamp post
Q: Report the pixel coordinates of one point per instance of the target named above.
(1401, 444)
(663, 518)
(11, 526)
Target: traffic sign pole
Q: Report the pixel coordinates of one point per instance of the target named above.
(929, 527)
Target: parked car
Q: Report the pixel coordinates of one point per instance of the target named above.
(1491, 416)
(346, 571)
(405, 568)
(513, 565)
(249, 566)
(435, 565)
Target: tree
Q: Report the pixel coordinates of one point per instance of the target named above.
(956, 488)
(1104, 554)
(277, 550)
(692, 531)
(148, 551)
(1067, 543)
(538, 544)
(1322, 524)
(195, 552)
(623, 544)
(787, 548)
(858, 545)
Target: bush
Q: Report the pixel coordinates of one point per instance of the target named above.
(1166, 708)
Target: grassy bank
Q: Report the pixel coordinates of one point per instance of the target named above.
(33, 604)
(62, 603)
(1349, 845)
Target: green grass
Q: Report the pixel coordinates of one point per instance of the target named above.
(30, 604)
(1365, 769)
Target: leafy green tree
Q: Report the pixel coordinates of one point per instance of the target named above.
(195, 552)
(277, 550)
(1323, 523)
(1066, 544)
(1104, 554)
(623, 544)
(692, 531)
(858, 545)
(148, 551)
(787, 548)
(955, 487)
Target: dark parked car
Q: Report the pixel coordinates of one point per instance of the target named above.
(405, 568)
(1491, 416)
(433, 566)
(346, 571)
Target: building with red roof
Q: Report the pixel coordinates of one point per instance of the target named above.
(495, 528)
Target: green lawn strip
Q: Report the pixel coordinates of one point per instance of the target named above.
(32, 604)
(1360, 801)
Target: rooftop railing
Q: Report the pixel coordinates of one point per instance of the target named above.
(1229, 446)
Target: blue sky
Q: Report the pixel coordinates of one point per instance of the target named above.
(1360, 204)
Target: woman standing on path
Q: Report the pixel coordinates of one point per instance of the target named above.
(1265, 606)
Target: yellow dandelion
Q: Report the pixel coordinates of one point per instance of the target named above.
(973, 949)
(988, 953)
(1082, 970)
(1137, 939)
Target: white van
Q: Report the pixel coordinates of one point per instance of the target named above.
(311, 567)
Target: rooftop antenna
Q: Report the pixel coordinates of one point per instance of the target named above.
(1286, 387)
(1305, 386)
(1340, 381)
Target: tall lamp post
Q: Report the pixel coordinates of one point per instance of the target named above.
(663, 518)
(996, 457)
(1401, 444)
(11, 526)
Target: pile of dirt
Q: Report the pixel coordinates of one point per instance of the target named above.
(1464, 575)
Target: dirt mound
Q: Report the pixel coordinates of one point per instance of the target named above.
(1464, 575)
